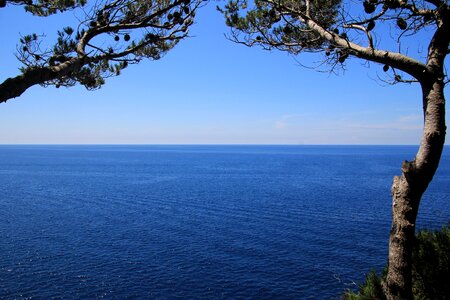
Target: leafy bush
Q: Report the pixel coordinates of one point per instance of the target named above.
(431, 264)
(430, 269)
(370, 289)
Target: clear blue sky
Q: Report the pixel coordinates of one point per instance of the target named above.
(209, 91)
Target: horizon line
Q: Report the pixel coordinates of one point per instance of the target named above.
(194, 144)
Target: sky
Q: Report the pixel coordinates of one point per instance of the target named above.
(208, 90)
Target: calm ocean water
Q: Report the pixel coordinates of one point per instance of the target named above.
(199, 222)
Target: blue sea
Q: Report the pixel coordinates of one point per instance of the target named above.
(199, 222)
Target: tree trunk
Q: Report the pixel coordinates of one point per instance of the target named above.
(407, 190)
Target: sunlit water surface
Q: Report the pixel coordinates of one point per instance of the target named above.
(199, 222)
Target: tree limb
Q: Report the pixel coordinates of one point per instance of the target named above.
(395, 59)
(14, 87)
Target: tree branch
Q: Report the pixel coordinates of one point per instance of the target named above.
(396, 60)
(438, 48)
(14, 87)
(436, 3)
(363, 29)
(89, 56)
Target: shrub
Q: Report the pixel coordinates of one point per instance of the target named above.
(430, 270)
(370, 289)
(431, 264)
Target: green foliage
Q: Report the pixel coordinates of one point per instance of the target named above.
(281, 24)
(338, 29)
(431, 264)
(371, 289)
(430, 269)
(114, 34)
(45, 8)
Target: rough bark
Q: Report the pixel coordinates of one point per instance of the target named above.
(15, 86)
(408, 189)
